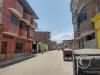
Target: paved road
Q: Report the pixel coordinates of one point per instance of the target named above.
(50, 63)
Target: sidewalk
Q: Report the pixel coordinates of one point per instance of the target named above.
(13, 61)
(17, 59)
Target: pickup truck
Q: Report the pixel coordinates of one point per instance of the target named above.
(67, 53)
(86, 62)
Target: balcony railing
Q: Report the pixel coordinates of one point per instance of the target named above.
(34, 24)
(23, 33)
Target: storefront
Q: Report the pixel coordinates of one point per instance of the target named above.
(7, 48)
(96, 21)
(14, 46)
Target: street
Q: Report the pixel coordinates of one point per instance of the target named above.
(50, 63)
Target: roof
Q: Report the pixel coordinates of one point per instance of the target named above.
(27, 7)
(87, 51)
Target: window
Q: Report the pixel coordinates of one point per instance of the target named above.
(14, 20)
(82, 16)
(90, 37)
(23, 25)
(4, 47)
(19, 47)
(32, 30)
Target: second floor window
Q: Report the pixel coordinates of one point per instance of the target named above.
(82, 16)
(14, 20)
(23, 25)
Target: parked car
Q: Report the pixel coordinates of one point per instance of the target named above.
(86, 62)
(67, 53)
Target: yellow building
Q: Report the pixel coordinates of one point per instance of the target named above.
(96, 21)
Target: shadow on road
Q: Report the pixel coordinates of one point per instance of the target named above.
(12, 62)
(68, 60)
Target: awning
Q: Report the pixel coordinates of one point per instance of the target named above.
(28, 23)
(29, 9)
(25, 21)
(32, 26)
(11, 34)
(16, 12)
(30, 40)
(86, 33)
(15, 35)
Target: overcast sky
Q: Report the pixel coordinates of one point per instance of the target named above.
(55, 17)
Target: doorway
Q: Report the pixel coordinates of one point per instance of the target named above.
(3, 51)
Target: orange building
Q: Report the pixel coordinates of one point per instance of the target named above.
(17, 28)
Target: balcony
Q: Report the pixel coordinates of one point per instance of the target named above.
(15, 11)
(26, 17)
(86, 26)
(31, 33)
(23, 33)
(11, 30)
(34, 24)
(23, 29)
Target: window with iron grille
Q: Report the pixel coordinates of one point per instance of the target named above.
(14, 19)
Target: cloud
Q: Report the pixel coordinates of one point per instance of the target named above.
(63, 36)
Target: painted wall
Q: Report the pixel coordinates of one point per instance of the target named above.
(97, 28)
(91, 44)
(10, 47)
(98, 37)
(7, 26)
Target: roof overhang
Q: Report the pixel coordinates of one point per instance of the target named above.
(28, 8)
(15, 12)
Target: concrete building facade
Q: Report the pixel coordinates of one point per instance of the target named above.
(96, 21)
(42, 37)
(69, 44)
(17, 27)
(84, 31)
(53, 45)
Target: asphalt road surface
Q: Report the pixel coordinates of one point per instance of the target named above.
(50, 63)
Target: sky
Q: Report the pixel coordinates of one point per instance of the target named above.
(55, 17)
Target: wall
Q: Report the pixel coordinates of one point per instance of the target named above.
(98, 37)
(91, 44)
(91, 9)
(1, 5)
(10, 46)
(29, 47)
(7, 26)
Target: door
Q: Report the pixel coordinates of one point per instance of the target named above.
(3, 51)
